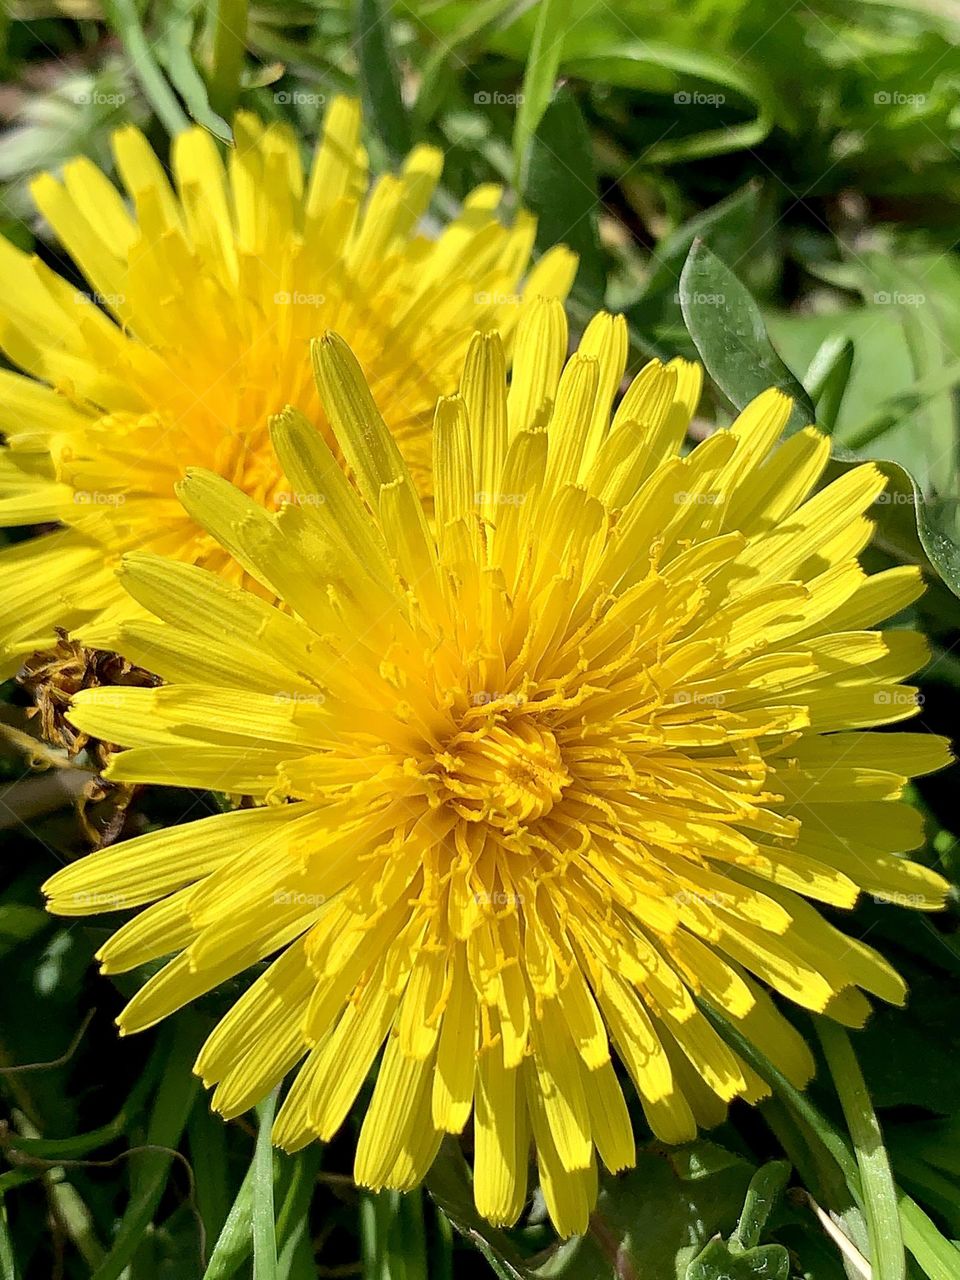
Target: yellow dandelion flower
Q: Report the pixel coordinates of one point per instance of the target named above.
(209, 291)
(558, 770)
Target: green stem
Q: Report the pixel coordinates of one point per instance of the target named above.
(880, 1193)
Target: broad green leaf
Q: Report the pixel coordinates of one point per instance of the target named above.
(449, 1183)
(207, 1138)
(561, 189)
(728, 331)
(880, 1194)
(379, 78)
(264, 1222)
(926, 307)
(539, 78)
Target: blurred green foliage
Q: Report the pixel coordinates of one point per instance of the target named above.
(799, 164)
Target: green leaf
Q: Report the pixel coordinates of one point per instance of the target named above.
(827, 378)
(719, 1262)
(728, 331)
(539, 78)
(766, 1187)
(264, 1223)
(379, 78)
(561, 189)
(743, 1257)
(880, 1194)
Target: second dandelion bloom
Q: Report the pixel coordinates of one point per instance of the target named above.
(201, 297)
(561, 767)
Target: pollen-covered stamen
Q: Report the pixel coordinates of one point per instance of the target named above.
(507, 774)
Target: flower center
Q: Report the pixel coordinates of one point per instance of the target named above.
(505, 774)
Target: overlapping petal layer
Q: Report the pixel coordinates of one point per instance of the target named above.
(202, 298)
(541, 777)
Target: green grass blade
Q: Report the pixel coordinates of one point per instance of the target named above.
(236, 1239)
(561, 189)
(879, 1192)
(538, 79)
(125, 20)
(380, 79)
(175, 1097)
(229, 45)
(8, 1266)
(264, 1223)
(826, 380)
